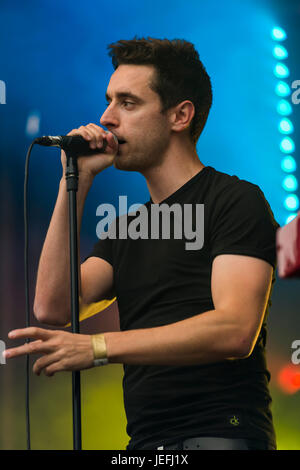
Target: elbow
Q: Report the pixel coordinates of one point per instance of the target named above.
(240, 343)
(50, 315)
(244, 346)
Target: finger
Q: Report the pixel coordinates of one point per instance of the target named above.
(94, 137)
(31, 332)
(46, 361)
(55, 367)
(84, 132)
(88, 134)
(98, 132)
(81, 131)
(112, 141)
(35, 347)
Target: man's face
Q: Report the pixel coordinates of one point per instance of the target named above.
(134, 115)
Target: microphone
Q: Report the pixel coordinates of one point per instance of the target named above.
(70, 143)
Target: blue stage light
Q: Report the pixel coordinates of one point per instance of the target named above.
(281, 70)
(291, 202)
(280, 52)
(282, 89)
(287, 145)
(288, 164)
(290, 183)
(286, 126)
(284, 108)
(278, 34)
(290, 218)
(33, 124)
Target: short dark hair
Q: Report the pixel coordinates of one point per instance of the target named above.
(180, 74)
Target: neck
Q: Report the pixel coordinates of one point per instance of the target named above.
(179, 165)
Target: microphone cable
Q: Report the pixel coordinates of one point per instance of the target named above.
(26, 278)
(78, 143)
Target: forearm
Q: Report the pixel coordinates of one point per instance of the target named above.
(201, 339)
(52, 296)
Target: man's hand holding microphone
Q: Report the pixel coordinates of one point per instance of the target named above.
(97, 139)
(61, 350)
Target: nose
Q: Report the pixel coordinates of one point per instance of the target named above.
(109, 117)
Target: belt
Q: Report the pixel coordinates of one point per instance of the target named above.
(217, 443)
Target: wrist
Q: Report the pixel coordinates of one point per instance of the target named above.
(86, 177)
(99, 350)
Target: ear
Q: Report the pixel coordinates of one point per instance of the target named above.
(182, 115)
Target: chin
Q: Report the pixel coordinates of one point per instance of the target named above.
(121, 162)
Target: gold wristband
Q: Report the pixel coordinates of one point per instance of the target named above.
(99, 349)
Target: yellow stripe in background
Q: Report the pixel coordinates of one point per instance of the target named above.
(89, 310)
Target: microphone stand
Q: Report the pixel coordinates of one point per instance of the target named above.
(72, 187)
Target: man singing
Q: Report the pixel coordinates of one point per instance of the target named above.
(192, 321)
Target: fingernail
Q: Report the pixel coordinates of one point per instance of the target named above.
(115, 138)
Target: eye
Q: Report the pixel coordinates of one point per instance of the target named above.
(127, 103)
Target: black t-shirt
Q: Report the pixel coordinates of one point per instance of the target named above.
(160, 281)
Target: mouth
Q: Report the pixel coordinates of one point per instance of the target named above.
(119, 139)
(121, 143)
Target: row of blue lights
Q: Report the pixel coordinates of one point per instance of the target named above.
(285, 126)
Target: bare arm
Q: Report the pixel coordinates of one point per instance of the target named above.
(240, 290)
(52, 296)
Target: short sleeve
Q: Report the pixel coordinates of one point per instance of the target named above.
(103, 249)
(243, 223)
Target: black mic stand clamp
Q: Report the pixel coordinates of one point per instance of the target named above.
(72, 187)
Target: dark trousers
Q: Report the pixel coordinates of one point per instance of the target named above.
(217, 443)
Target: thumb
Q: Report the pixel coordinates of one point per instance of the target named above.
(112, 143)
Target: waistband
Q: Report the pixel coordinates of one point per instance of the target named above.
(217, 443)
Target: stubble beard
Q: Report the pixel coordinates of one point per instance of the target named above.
(142, 160)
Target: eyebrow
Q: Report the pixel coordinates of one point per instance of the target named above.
(125, 94)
